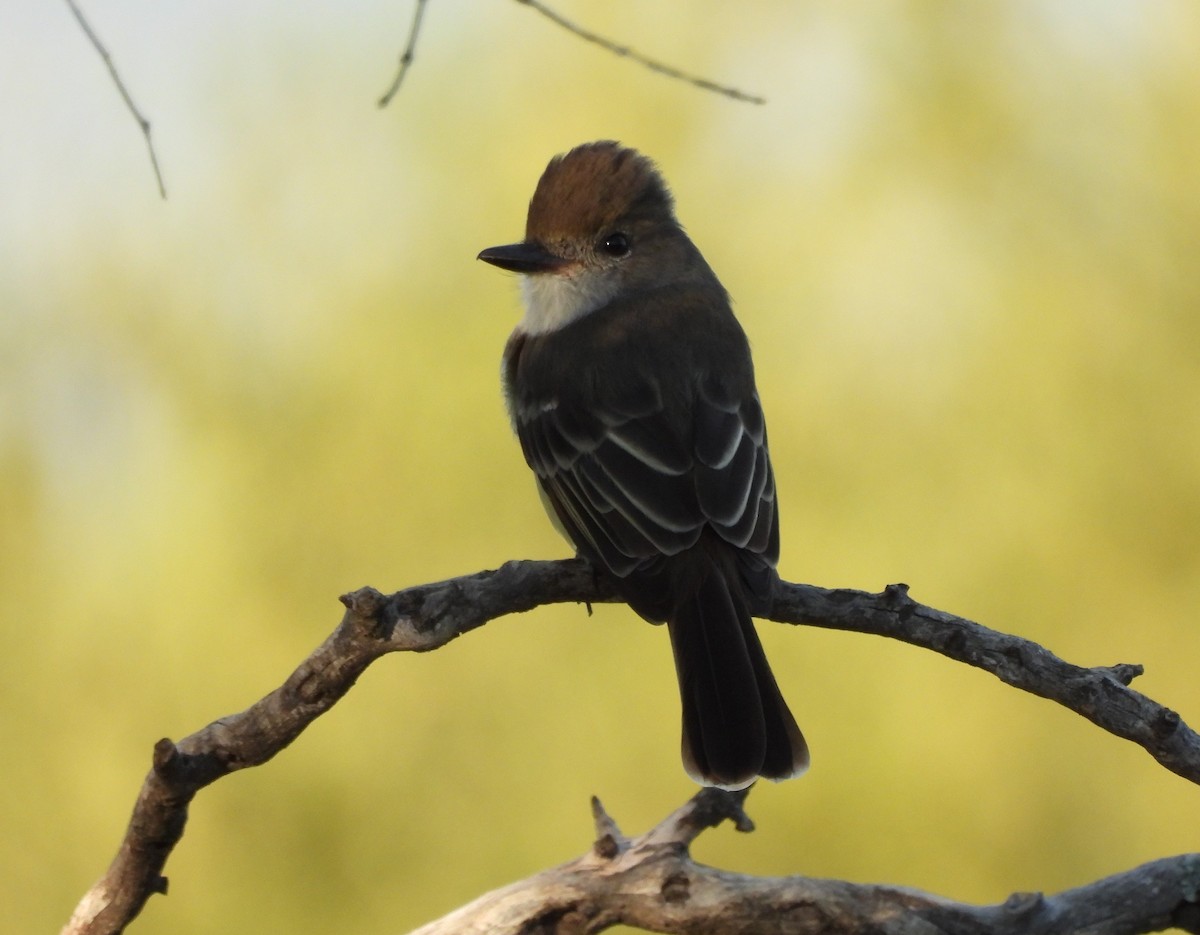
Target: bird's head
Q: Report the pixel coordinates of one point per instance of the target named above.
(601, 226)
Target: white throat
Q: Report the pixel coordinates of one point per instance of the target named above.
(554, 300)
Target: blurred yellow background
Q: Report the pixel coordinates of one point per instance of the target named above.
(963, 239)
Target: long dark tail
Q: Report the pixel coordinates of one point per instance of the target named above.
(736, 725)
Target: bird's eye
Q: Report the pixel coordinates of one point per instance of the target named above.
(615, 244)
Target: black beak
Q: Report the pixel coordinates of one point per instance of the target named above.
(524, 257)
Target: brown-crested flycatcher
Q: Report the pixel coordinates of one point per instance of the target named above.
(630, 386)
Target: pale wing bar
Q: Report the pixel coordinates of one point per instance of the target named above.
(629, 488)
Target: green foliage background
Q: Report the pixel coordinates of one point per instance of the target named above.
(963, 239)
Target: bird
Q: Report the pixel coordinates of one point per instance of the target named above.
(630, 386)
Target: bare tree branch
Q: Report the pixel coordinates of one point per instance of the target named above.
(428, 616)
(112, 70)
(652, 882)
(1101, 694)
(406, 57)
(626, 52)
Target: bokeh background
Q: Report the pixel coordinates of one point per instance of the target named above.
(963, 239)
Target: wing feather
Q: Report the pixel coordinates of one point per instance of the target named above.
(631, 482)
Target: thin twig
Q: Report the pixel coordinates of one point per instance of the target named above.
(406, 57)
(112, 70)
(652, 64)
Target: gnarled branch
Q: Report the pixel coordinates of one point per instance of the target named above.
(428, 616)
(652, 882)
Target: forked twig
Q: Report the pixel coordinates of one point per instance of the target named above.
(406, 57)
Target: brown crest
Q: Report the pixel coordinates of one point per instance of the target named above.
(591, 189)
